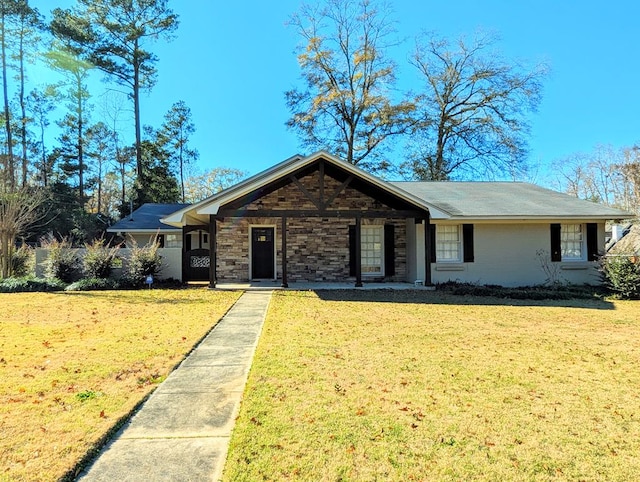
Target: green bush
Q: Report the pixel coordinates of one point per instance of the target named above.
(62, 262)
(19, 285)
(98, 259)
(622, 275)
(93, 284)
(143, 261)
(23, 261)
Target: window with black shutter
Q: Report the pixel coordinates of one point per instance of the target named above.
(556, 243)
(467, 243)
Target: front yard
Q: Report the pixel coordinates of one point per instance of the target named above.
(73, 364)
(424, 386)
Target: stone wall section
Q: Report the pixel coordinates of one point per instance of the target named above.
(317, 248)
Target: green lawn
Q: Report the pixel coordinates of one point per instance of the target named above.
(72, 365)
(424, 386)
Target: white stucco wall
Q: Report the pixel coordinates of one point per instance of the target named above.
(171, 261)
(505, 254)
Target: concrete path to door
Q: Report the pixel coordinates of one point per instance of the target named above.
(182, 431)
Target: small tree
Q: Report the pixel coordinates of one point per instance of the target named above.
(99, 259)
(622, 275)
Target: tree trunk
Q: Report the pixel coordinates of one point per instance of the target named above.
(182, 170)
(45, 166)
(23, 109)
(99, 188)
(4, 256)
(80, 145)
(7, 114)
(136, 108)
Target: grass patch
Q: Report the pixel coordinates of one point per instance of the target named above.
(430, 386)
(73, 364)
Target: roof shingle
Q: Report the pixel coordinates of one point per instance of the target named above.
(504, 200)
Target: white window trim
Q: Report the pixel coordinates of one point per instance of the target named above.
(458, 259)
(275, 249)
(583, 244)
(175, 240)
(380, 228)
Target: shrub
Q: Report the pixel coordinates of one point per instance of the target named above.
(143, 261)
(23, 261)
(98, 259)
(93, 284)
(622, 275)
(62, 262)
(19, 285)
(540, 292)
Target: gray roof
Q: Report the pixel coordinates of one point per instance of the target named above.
(147, 218)
(508, 200)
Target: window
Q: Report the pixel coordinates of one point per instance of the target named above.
(574, 242)
(448, 243)
(372, 250)
(571, 241)
(173, 241)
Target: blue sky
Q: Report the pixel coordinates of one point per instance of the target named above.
(231, 62)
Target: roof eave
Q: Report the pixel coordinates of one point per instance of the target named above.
(556, 217)
(142, 231)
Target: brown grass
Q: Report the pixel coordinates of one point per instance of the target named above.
(421, 386)
(73, 364)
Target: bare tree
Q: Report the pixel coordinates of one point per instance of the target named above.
(101, 150)
(112, 108)
(606, 175)
(345, 105)
(39, 105)
(19, 211)
(201, 186)
(472, 111)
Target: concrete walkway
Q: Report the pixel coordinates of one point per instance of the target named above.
(182, 431)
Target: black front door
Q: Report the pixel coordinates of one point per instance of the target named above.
(262, 253)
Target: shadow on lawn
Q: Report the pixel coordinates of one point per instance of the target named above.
(449, 298)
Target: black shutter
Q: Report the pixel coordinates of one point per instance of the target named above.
(389, 250)
(352, 250)
(432, 235)
(556, 247)
(467, 243)
(592, 241)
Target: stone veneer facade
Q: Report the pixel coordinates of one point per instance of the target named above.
(317, 248)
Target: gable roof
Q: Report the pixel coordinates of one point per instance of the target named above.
(210, 206)
(445, 200)
(146, 219)
(506, 200)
